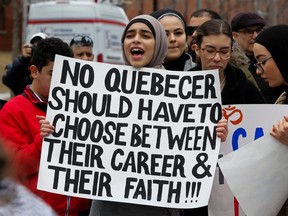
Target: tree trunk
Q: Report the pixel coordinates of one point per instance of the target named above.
(15, 29)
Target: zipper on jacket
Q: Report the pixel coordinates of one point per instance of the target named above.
(68, 205)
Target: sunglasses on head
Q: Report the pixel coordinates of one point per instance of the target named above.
(83, 40)
(191, 29)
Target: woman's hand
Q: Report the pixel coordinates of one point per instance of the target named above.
(280, 130)
(222, 129)
(45, 126)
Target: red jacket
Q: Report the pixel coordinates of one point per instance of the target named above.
(21, 131)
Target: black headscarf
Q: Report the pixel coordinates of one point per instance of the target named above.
(159, 14)
(275, 40)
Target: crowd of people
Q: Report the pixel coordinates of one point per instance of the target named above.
(252, 70)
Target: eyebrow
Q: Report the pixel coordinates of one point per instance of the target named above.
(225, 47)
(141, 30)
(253, 28)
(260, 55)
(177, 29)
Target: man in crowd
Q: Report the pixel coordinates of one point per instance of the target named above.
(17, 74)
(198, 18)
(246, 26)
(82, 47)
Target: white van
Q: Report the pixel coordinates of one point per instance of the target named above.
(103, 22)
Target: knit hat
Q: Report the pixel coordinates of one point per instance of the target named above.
(158, 31)
(246, 19)
(275, 40)
(159, 14)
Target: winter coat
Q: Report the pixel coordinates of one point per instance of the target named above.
(238, 89)
(240, 60)
(17, 75)
(183, 63)
(104, 208)
(21, 131)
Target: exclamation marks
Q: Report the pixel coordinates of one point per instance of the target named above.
(192, 191)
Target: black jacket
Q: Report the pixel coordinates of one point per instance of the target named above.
(17, 75)
(183, 63)
(238, 89)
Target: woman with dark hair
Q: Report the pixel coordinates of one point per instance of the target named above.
(214, 48)
(175, 26)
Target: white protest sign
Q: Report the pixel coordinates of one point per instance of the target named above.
(246, 123)
(257, 174)
(142, 136)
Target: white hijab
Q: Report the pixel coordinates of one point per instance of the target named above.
(161, 44)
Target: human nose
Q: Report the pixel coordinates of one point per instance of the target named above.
(255, 34)
(259, 71)
(85, 57)
(217, 56)
(136, 38)
(172, 37)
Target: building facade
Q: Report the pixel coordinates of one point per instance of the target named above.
(274, 11)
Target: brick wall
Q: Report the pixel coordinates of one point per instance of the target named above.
(186, 7)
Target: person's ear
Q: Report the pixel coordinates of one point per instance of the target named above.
(234, 34)
(196, 48)
(34, 72)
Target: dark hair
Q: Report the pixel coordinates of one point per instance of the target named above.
(46, 50)
(82, 40)
(213, 27)
(206, 12)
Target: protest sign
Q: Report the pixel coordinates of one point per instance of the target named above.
(247, 123)
(144, 136)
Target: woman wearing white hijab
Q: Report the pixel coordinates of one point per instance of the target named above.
(144, 44)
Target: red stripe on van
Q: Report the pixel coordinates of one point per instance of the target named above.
(111, 22)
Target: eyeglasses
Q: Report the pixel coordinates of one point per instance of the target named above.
(259, 66)
(191, 29)
(211, 52)
(250, 32)
(82, 40)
